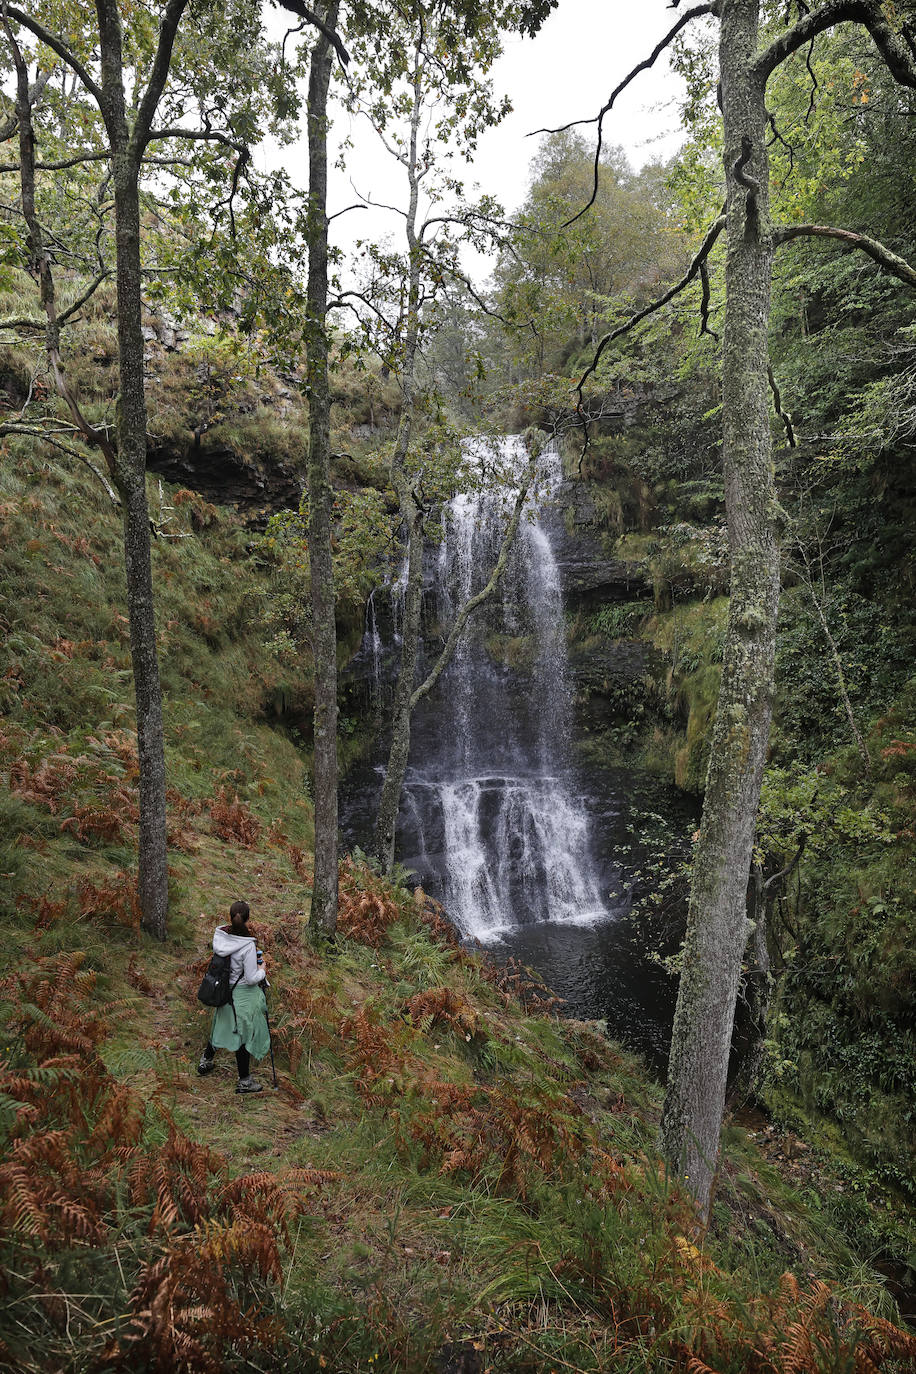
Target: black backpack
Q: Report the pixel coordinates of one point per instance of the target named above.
(215, 989)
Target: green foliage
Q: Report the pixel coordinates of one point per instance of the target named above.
(363, 540)
(574, 279)
(876, 655)
(842, 941)
(618, 620)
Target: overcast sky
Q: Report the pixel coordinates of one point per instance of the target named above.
(566, 72)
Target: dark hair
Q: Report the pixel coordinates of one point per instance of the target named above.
(241, 910)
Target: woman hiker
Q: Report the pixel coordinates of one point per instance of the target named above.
(242, 1024)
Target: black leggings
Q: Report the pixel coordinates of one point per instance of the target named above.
(242, 1059)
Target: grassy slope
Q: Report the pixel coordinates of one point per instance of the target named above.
(495, 1185)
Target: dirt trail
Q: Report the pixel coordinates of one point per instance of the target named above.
(246, 1128)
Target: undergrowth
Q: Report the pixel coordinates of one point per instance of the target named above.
(449, 1175)
(441, 1174)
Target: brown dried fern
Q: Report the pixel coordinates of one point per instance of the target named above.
(443, 1007)
(232, 820)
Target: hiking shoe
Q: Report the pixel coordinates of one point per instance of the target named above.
(249, 1085)
(205, 1065)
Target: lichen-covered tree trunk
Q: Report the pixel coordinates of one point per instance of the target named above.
(411, 511)
(323, 915)
(717, 919)
(130, 477)
(130, 480)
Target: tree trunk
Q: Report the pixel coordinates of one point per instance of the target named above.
(412, 514)
(130, 480)
(386, 820)
(717, 919)
(323, 915)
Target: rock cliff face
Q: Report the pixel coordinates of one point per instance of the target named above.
(256, 487)
(607, 675)
(588, 576)
(223, 430)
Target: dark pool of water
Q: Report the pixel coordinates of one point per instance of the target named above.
(607, 970)
(601, 973)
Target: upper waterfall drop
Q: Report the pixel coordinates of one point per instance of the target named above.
(489, 814)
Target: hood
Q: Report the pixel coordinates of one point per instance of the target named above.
(224, 943)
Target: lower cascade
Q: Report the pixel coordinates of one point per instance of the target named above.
(489, 819)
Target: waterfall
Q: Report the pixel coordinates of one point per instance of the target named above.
(373, 641)
(490, 820)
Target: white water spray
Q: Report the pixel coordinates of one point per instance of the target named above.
(490, 796)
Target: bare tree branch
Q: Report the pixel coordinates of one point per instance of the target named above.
(701, 255)
(647, 62)
(790, 867)
(63, 318)
(343, 302)
(8, 130)
(198, 135)
(783, 414)
(30, 322)
(241, 161)
(359, 205)
(168, 28)
(58, 166)
(778, 138)
(87, 294)
(458, 276)
(309, 15)
(897, 266)
(815, 87)
(704, 303)
(49, 437)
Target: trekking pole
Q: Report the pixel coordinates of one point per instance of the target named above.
(270, 1040)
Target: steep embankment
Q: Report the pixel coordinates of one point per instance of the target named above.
(443, 1180)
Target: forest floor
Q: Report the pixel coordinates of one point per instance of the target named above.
(481, 1191)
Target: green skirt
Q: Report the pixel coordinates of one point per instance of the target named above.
(250, 1019)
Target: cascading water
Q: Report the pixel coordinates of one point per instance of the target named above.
(489, 816)
(372, 643)
(497, 821)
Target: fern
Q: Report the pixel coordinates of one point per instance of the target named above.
(80, 1175)
(232, 820)
(115, 898)
(443, 1007)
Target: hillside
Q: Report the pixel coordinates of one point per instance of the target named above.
(450, 1176)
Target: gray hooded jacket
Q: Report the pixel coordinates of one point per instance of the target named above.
(244, 966)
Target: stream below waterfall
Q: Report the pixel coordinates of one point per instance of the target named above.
(499, 821)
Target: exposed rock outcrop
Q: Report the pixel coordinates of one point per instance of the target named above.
(588, 576)
(257, 488)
